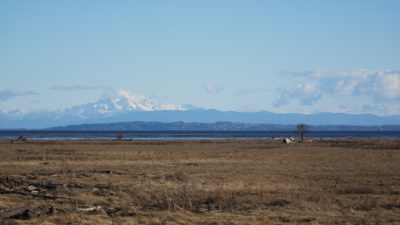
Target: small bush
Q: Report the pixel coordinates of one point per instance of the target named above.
(192, 198)
(177, 176)
(119, 136)
(174, 198)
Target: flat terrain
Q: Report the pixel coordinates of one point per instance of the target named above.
(201, 182)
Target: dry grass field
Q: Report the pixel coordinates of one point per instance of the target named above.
(200, 182)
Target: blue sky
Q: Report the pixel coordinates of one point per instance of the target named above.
(280, 56)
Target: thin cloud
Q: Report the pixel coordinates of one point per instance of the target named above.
(212, 88)
(7, 94)
(255, 91)
(306, 94)
(381, 85)
(295, 73)
(79, 87)
(378, 84)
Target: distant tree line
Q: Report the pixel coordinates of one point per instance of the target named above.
(219, 126)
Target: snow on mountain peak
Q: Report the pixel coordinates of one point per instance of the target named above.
(128, 101)
(123, 101)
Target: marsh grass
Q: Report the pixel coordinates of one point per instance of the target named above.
(204, 182)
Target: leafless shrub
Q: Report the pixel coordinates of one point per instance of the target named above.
(302, 129)
(177, 176)
(119, 136)
(192, 198)
(176, 198)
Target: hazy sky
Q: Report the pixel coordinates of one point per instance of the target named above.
(281, 56)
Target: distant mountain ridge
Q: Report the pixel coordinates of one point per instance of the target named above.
(219, 126)
(128, 107)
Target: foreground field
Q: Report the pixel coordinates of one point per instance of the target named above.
(204, 182)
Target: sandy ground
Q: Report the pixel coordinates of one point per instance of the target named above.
(200, 182)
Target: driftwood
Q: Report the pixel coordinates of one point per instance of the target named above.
(120, 212)
(28, 212)
(20, 139)
(48, 186)
(42, 196)
(6, 181)
(91, 210)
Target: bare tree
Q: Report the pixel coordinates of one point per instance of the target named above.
(302, 129)
(119, 136)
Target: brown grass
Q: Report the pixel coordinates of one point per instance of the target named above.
(201, 182)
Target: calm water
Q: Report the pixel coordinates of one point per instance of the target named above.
(189, 135)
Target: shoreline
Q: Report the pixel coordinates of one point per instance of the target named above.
(193, 136)
(196, 139)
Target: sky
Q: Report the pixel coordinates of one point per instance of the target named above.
(279, 56)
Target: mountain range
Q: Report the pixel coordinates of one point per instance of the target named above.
(218, 126)
(125, 107)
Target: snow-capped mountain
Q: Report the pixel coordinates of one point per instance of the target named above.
(120, 106)
(125, 107)
(123, 102)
